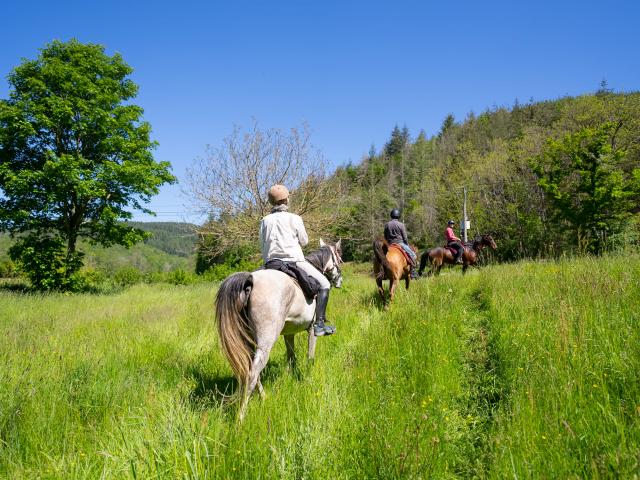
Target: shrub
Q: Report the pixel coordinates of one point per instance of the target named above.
(127, 276)
(46, 263)
(223, 270)
(8, 269)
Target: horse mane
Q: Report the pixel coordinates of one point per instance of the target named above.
(320, 257)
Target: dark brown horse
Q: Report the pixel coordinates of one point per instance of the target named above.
(389, 263)
(440, 255)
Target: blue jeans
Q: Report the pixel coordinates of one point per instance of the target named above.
(409, 251)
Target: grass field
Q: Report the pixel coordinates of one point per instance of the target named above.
(516, 371)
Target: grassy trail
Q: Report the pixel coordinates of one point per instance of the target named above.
(519, 371)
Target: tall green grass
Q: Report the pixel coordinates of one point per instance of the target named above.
(525, 370)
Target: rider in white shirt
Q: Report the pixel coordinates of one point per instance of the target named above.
(282, 236)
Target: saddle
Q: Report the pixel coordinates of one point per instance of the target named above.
(309, 285)
(453, 250)
(406, 255)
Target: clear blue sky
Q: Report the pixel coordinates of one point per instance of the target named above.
(352, 70)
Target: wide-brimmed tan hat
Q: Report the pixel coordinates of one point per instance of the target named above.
(278, 193)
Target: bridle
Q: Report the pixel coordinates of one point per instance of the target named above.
(335, 273)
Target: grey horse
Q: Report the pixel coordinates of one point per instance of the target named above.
(254, 308)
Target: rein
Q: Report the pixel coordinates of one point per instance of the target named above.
(320, 258)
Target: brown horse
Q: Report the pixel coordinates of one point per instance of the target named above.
(439, 255)
(389, 264)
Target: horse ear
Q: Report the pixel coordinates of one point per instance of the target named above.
(322, 243)
(339, 244)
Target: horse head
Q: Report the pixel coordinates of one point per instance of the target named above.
(489, 241)
(331, 261)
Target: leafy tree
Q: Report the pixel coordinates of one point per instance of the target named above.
(75, 156)
(582, 174)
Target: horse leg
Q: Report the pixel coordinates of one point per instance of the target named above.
(311, 344)
(407, 279)
(261, 390)
(423, 262)
(259, 362)
(393, 283)
(291, 352)
(380, 287)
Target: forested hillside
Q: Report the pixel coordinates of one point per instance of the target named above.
(170, 247)
(175, 238)
(542, 177)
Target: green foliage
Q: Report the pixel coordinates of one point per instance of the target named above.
(127, 276)
(75, 155)
(396, 144)
(233, 259)
(7, 269)
(491, 154)
(46, 263)
(220, 271)
(174, 238)
(584, 176)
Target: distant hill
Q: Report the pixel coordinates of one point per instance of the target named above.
(174, 238)
(170, 247)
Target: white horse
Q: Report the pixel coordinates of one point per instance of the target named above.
(254, 308)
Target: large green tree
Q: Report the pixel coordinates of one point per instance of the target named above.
(75, 158)
(589, 182)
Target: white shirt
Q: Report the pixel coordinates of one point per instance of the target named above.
(282, 235)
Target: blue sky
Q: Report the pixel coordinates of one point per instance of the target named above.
(351, 70)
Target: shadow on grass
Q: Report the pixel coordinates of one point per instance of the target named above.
(373, 299)
(14, 286)
(212, 391)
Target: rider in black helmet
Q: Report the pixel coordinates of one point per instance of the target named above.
(396, 232)
(453, 241)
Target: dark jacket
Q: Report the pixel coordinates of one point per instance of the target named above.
(395, 232)
(308, 284)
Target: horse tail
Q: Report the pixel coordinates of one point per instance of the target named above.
(235, 328)
(423, 261)
(379, 248)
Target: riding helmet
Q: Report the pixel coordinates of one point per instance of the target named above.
(451, 222)
(395, 213)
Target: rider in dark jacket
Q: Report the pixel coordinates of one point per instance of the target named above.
(453, 241)
(396, 232)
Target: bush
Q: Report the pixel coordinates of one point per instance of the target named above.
(94, 280)
(223, 270)
(181, 277)
(46, 263)
(8, 269)
(127, 276)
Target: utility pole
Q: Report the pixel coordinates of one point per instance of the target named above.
(464, 215)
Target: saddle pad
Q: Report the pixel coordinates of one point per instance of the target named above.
(398, 247)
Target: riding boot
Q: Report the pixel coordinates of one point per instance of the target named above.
(413, 272)
(320, 328)
(458, 259)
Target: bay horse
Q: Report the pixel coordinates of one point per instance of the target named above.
(254, 308)
(389, 264)
(440, 255)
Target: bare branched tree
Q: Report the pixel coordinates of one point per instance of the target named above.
(231, 182)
